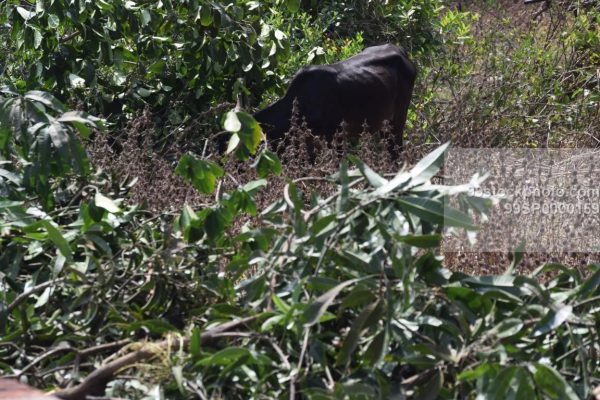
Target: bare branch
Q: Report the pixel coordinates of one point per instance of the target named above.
(95, 383)
(25, 295)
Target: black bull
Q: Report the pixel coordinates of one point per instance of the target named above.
(373, 86)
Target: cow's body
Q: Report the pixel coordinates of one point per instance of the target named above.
(373, 86)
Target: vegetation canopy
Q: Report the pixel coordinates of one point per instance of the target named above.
(137, 261)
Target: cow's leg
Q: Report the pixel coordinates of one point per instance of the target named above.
(397, 131)
(399, 122)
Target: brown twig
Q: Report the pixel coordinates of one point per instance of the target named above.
(80, 354)
(95, 383)
(70, 36)
(23, 296)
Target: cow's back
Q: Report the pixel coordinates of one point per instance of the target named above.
(372, 86)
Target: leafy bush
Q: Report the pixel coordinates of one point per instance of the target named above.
(324, 297)
(114, 54)
(181, 58)
(339, 292)
(38, 143)
(512, 79)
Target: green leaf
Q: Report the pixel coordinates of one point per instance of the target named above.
(253, 187)
(342, 200)
(106, 203)
(591, 284)
(358, 260)
(328, 221)
(190, 224)
(430, 389)
(225, 357)
(421, 241)
(374, 179)
(146, 17)
(156, 326)
(433, 211)
(313, 313)
(240, 201)
(43, 298)
(26, 15)
(428, 209)
(553, 320)
(524, 385)
(376, 349)
(353, 336)
(421, 173)
(177, 371)
(205, 15)
(201, 174)
(501, 384)
(37, 38)
(62, 143)
(517, 257)
(551, 383)
(428, 166)
(453, 217)
(76, 81)
(280, 304)
(53, 21)
(232, 122)
(5, 135)
(143, 92)
(472, 374)
(233, 143)
(58, 239)
(491, 280)
(80, 120)
(10, 176)
(250, 133)
(358, 296)
(195, 342)
(156, 68)
(45, 98)
(508, 327)
(214, 224)
(267, 163)
(105, 6)
(293, 5)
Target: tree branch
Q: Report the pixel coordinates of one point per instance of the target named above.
(23, 296)
(95, 383)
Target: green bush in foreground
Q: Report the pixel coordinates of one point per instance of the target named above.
(335, 297)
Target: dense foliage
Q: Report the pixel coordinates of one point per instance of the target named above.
(181, 57)
(318, 284)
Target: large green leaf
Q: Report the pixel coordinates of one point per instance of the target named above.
(553, 320)
(201, 174)
(315, 311)
(354, 334)
(58, 239)
(435, 212)
(551, 383)
(104, 202)
(371, 176)
(421, 172)
(267, 163)
(293, 5)
(45, 98)
(247, 130)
